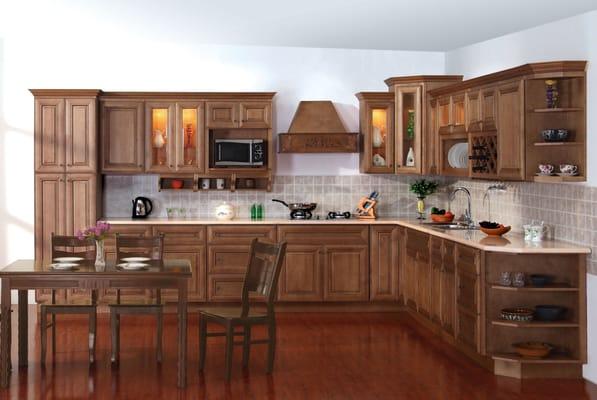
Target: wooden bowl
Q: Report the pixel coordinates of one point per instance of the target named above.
(533, 349)
(442, 218)
(499, 231)
(176, 183)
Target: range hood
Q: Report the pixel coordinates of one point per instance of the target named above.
(317, 128)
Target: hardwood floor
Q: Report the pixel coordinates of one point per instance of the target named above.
(320, 356)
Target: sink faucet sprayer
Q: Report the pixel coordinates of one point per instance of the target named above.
(468, 216)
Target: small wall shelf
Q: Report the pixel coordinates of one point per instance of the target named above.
(556, 287)
(557, 110)
(232, 183)
(551, 144)
(535, 324)
(559, 179)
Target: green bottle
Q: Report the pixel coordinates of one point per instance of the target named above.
(259, 211)
(253, 211)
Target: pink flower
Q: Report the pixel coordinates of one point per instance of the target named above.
(80, 235)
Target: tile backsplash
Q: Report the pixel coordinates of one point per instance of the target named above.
(570, 209)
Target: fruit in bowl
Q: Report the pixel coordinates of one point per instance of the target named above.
(493, 228)
(442, 215)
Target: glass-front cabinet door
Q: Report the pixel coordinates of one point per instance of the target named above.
(159, 137)
(190, 147)
(379, 138)
(408, 130)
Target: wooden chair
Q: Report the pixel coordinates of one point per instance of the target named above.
(261, 278)
(131, 246)
(69, 246)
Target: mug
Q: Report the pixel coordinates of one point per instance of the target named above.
(205, 183)
(220, 183)
(568, 169)
(546, 168)
(519, 279)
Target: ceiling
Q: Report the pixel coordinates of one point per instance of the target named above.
(430, 25)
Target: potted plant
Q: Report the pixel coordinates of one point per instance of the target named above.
(98, 232)
(423, 188)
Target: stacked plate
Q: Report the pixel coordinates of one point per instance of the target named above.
(134, 263)
(66, 263)
(458, 155)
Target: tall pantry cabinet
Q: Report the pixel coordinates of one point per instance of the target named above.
(66, 179)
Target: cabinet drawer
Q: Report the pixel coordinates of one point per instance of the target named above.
(227, 259)
(468, 330)
(324, 234)
(240, 234)
(224, 287)
(129, 230)
(467, 291)
(467, 259)
(175, 236)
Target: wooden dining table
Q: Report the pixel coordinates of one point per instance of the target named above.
(24, 275)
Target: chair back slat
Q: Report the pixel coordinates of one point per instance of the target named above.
(72, 246)
(134, 246)
(263, 271)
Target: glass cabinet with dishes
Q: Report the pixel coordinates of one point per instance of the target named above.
(408, 129)
(377, 129)
(159, 125)
(189, 136)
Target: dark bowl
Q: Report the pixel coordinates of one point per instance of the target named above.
(554, 135)
(549, 312)
(540, 280)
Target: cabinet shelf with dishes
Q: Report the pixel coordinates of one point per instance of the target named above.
(535, 324)
(222, 182)
(555, 287)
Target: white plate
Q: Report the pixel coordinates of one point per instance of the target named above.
(64, 266)
(135, 259)
(133, 266)
(463, 155)
(458, 155)
(564, 174)
(451, 156)
(68, 259)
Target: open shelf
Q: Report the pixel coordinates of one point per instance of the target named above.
(555, 287)
(559, 179)
(557, 110)
(550, 144)
(535, 324)
(552, 359)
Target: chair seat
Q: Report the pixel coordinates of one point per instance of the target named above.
(231, 313)
(68, 308)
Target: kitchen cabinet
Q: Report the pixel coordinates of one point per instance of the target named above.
(510, 126)
(436, 264)
(468, 298)
(417, 286)
(65, 133)
(329, 263)
(187, 243)
(430, 140)
(122, 138)
(190, 137)
(384, 262)
(408, 129)
(227, 257)
(448, 288)
(377, 129)
(81, 207)
(234, 114)
(160, 137)
(451, 114)
(473, 116)
(488, 109)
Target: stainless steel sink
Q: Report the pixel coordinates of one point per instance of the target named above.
(450, 227)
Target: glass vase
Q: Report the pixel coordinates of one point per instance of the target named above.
(100, 254)
(421, 207)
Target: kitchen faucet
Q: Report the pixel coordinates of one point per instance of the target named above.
(468, 215)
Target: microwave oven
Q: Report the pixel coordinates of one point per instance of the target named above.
(239, 152)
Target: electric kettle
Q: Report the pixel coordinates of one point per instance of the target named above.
(142, 207)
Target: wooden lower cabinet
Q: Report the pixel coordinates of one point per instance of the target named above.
(468, 298)
(301, 278)
(346, 273)
(448, 289)
(436, 267)
(384, 262)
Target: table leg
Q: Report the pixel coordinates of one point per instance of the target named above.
(182, 333)
(23, 326)
(5, 333)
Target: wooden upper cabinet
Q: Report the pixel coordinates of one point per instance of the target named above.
(160, 137)
(488, 109)
(408, 141)
(376, 120)
(457, 106)
(49, 135)
(510, 124)
(122, 136)
(472, 113)
(384, 263)
(190, 137)
(254, 114)
(443, 115)
(222, 114)
(81, 135)
(430, 140)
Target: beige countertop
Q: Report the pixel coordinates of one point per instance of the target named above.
(511, 242)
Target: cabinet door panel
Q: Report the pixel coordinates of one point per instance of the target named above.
(49, 212)
(122, 136)
(49, 135)
(377, 128)
(488, 109)
(222, 114)
(342, 235)
(255, 115)
(346, 275)
(410, 279)
(160, 139)
(228, 259)
(467, 291)
(301, 275)
(436, 266)
(81, 135)
(468, 330)
(448, 289)
(190, 137)
(457, 108)
(197, 283)
(473, 111)
(408, 140)
(224, 287)
(240, 234)
(384, 263)
(81, 202)
(423, 274)
(511, 131)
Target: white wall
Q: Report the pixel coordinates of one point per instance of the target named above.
(569, 39)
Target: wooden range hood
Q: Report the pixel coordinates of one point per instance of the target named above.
(317, 128)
